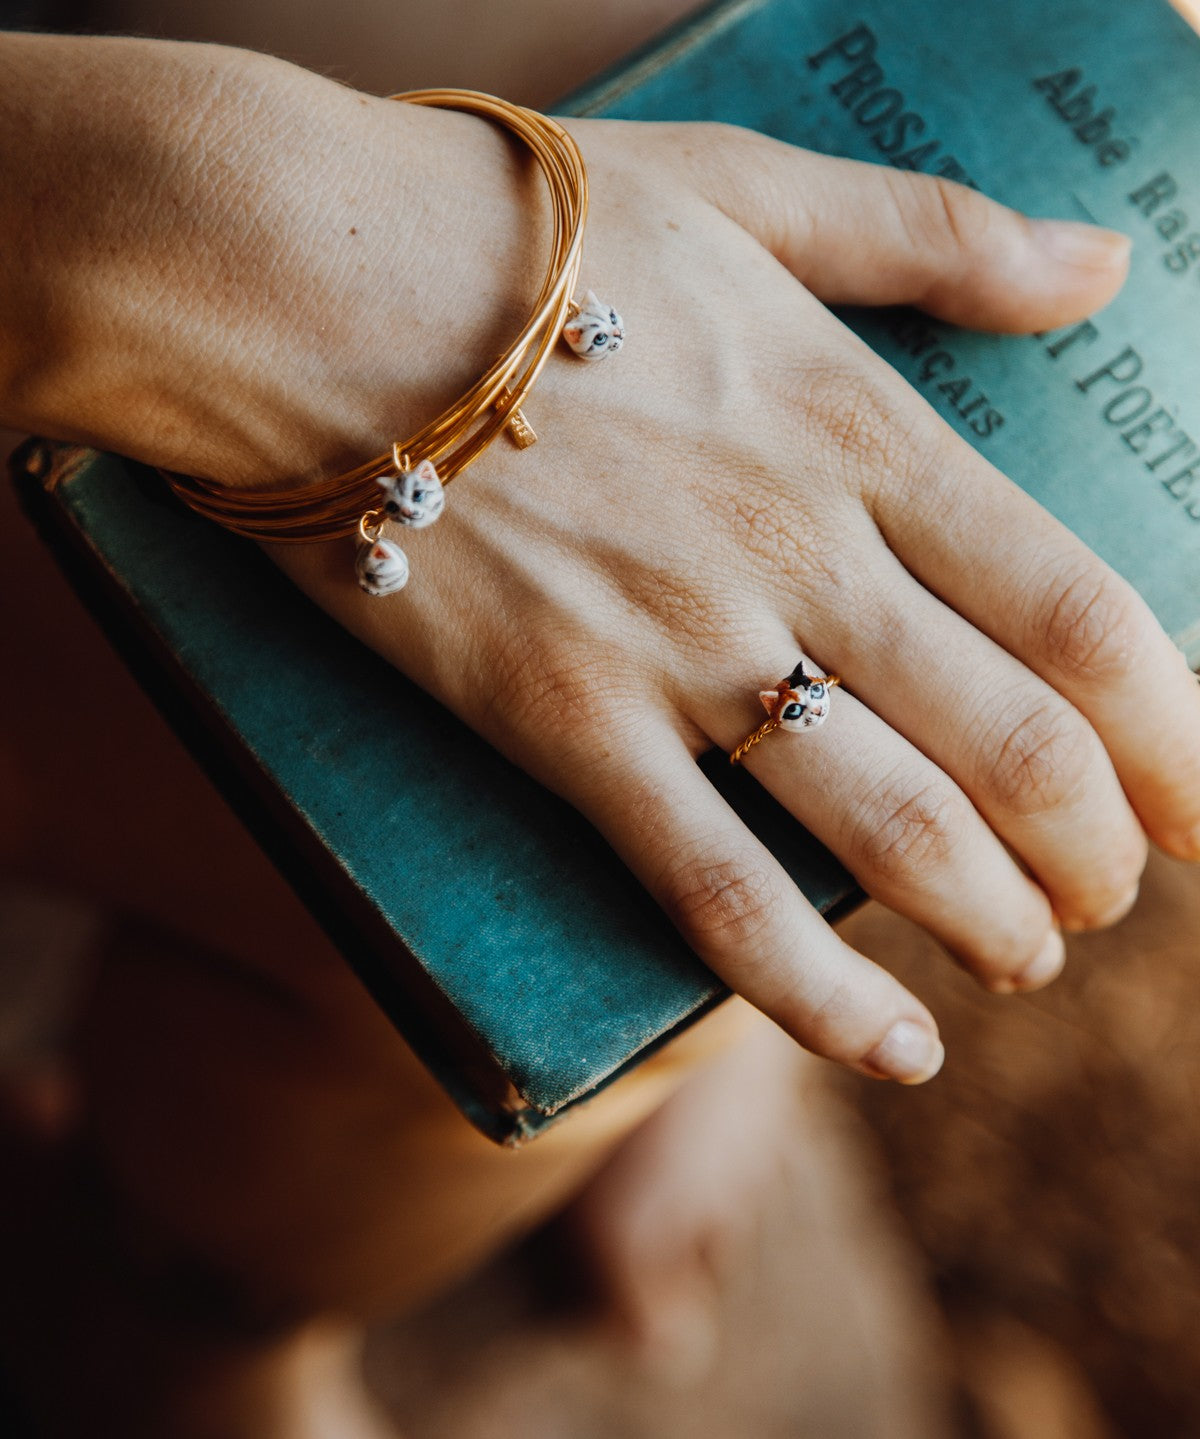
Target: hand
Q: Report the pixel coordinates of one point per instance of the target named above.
(745, 482)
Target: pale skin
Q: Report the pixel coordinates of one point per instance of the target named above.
(231, 267)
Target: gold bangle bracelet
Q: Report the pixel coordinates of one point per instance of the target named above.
(347, 504)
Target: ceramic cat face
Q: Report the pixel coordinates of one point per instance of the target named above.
(801, 702)
(413, 497)
(382, 568)
(596, 331)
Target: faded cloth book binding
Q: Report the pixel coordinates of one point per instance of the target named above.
(545, 971)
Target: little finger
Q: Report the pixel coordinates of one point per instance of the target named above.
(1029, 761)
(1017, 574)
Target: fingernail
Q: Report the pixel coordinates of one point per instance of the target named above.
(1075, 243)
(910, 1053)
(1046, 966)
(1104, 918)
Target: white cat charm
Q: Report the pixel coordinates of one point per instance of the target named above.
(381, 567)
(595, 330)
(413, 497)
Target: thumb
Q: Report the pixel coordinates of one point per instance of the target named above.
(864, 234)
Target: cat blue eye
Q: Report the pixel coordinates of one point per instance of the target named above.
(600, 340)
(817, 691)
(418, 496)
(792, 711)
(612, 316)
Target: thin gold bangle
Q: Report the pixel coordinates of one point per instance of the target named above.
(335, 508)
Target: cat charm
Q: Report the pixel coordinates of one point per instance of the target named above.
(413, 497)
(382, 568)
(801, 702)
(595, 331)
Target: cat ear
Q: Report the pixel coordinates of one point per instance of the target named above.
(425, 471)
(384, 481)
(591, 301)
(770, 698)
(573, 334)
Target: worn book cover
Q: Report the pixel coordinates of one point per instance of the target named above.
(544, 971)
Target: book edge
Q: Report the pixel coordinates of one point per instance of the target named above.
(614, 83)
(429, 1022)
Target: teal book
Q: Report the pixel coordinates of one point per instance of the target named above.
(544, 972)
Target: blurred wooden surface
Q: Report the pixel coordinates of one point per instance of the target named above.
(1051, 1174)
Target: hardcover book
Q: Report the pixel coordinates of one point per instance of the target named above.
(547, 971)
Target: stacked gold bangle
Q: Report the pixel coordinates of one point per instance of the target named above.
(339, 507)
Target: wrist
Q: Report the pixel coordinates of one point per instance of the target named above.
(250, 272)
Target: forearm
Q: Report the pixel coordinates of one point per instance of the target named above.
(98, 155)
(154, 197)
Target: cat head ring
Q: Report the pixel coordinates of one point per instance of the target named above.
(798, 703)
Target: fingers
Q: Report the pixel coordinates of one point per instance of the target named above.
(1019, 576)
(908, 834)
(873, 235)
(736, 906)
(1029, 760)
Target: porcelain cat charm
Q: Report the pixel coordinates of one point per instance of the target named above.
(801, 702)
(382, 568)
(413, 497)
(596, 331)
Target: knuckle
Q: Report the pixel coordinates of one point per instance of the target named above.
(712, 622)
(791, 535)
(1044, 759)
(764, 523)
(538, 681)
(736, 139)
(909, 834)
(851, 411)
(1094, 628)
(937, 214)
(722, 153)
(870, 428)
(714, 617)
(723, 902)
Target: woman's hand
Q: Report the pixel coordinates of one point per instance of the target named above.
(310, 274)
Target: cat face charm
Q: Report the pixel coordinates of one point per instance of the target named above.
(596, 331)
(801, 702)
(413, 497)
(382, 568)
